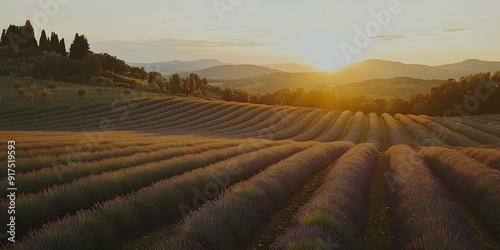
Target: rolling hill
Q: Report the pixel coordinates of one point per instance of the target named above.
(360, 72)
(172, 67)
(472, 65)
(372, 69)
(376, 88)
(176, 66)
(232, 72)
(212, 168)
(292, 67)
(273, 77)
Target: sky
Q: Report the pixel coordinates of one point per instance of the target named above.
(324, 33)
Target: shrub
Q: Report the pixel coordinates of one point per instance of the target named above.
(46, 93)
(101, 81)
(17, 85)
(123, 80)
(32, 87)
(50, 84)
(21, 91)
(198, 93)
(30, 96)
(82, 92)
(29, 80)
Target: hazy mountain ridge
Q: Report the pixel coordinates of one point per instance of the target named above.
(272, 77)
(172, 67)
(292, 67)
(184, 67)
(472, 65)
(232, 72)
(363, 71)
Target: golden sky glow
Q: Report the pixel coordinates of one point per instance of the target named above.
(262, 32)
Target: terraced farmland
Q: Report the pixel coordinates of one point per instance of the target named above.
(195, 174)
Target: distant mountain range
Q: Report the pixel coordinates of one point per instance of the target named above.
(233, 72)
(172, 67)
(210, 68)
(292, 67)
(372, 69)
(272, 77)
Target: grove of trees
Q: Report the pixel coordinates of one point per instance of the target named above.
(21, 55)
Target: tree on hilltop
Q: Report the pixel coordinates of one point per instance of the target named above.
(44, 42)
(79, 48)
(20, 37)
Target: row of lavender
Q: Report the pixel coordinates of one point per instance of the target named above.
(336, 214)
(261, 121)
(424, 214)
(475, 183)
(234, 218)
(161, 200)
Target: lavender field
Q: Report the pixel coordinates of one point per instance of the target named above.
(196, 174)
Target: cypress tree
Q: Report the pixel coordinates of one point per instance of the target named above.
(44, 42)
(79, 48)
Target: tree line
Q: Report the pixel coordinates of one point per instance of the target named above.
(23, 37)
(22, 55)
(191, 85)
